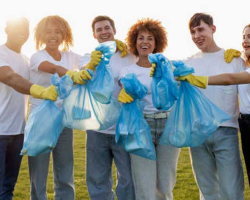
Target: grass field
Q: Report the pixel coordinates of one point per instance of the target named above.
(185, 188)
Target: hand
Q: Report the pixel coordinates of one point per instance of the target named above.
(152, 70)
(122, 47)
(96, 57)
(79, 77)
(199, 81)
(230, 54)
(41, 92)
(124, 97)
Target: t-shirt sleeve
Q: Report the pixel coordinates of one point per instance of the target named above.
(36, 59)
(84, 60)
(247, 70)
(2, 60)
(240, 65)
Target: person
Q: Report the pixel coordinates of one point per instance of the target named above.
(244, 91)
(216, 163)
(14, 83)
(152, 179)
(53, 32)
(101, 148)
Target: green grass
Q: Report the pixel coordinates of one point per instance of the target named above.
(185, 188)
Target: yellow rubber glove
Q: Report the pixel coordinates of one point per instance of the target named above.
(95, 59)
(124, 97)
(199, 81)
(152, 70)
(80, 77)
(230, 54)
(122, 47)
(41, 92)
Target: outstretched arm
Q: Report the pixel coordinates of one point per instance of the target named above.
(229, 79)
(14, 80)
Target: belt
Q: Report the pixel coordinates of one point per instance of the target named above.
(244, 116)
(160, 115)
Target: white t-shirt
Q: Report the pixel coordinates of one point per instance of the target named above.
(225, 97)
(117, 64)
(244, 92)
(142, 74)
(69, 60)
(12, 103)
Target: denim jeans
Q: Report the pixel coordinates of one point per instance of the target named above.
(245, 141)
(101, 151)
(62, 168)
(10, 161)
(155, 180)
(217, 166)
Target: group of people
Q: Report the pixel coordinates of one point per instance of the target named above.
(216, 163)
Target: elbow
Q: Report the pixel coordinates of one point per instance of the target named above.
(231, 80)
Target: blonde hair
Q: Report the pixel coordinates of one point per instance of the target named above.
(64, 27)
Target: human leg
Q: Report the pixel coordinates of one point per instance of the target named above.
(38, 171)
(205, 170)
(63, 166)
(99, 166)
(245, 141)
(125, 186)
(11, 146)
(229, 165)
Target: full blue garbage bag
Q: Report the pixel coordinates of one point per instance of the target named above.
(132, 130)
(163, 86)
(193, 118)
(82, 111)
(102, 83)
(44, 125)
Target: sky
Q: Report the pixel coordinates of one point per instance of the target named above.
(230, 17)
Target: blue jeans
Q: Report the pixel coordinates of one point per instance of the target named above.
(10, 161)
(217, 166)
(101, 151)
(155, 180)
(63, 165)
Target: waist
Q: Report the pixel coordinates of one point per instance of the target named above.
(244, 116)
(159, 115)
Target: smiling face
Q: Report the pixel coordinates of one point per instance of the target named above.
(103, 31)
(53, 37)
(246, 41)
(202, 36)
(18, 31)
(145, 43)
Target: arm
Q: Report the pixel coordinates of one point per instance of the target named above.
(52, 68)
(229, 79)
(14, 80)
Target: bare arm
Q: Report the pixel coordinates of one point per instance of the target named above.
(52, 68)
(229, 79)
(14, 80)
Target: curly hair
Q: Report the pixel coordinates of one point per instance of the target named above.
(149, 25)
(40, 31)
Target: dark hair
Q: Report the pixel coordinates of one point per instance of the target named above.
(198, 17)
(102, 18)
(149, 25)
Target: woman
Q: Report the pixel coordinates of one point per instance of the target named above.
(152, 179)
(53, 32)
(244, 91)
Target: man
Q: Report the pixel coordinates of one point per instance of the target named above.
(216, 163)
(13, 81)
(101, 146)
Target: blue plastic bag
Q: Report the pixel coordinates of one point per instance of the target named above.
(163, 86)
(44, 125)
(132, 130)
(82, 111)
(102, 83)
(193, 118)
